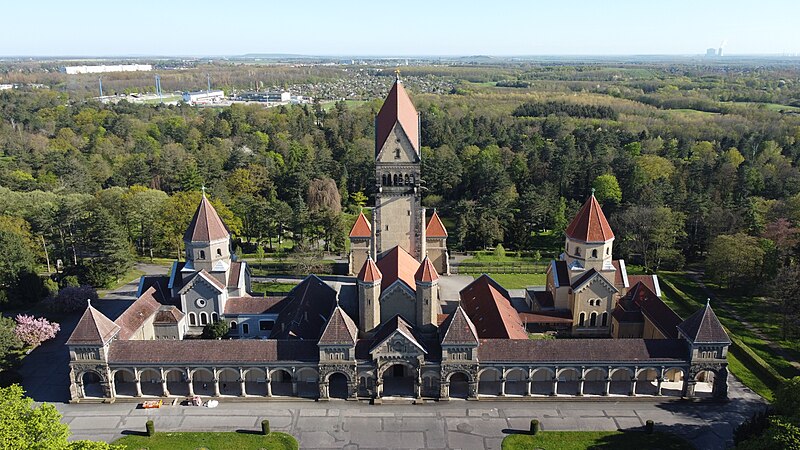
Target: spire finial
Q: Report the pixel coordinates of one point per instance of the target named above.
(89, 302)
(397, 75)
(708, 301)
(592, 192)
(203, 188)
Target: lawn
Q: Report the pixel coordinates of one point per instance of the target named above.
(519, 280)
(273, 287)
(127, 277)
(210, 441)
(581, 440)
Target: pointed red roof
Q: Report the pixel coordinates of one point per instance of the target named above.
(340, 329)
(590, 224)
(369, 272)
(398, 264)
(491, 311)
(435, 228)
(362, 228)
(93, 328)
(459, 329)
(397, 108)
(426, 272)
(206, 224)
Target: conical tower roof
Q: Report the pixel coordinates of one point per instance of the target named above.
(590, 224)
(426, 272)
(435, 228)
(459, 329)
(397, 108)
(703, 327)
(206, 225)
(362, 228)
(93, 328)
(369, 272)
(340, 330)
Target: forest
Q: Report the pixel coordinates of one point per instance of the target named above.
(681, 157)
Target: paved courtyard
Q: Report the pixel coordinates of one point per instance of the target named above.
(446, 425)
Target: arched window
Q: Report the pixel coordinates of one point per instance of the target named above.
(593, 320)
(192, 319)
(594, 253)
(591, 302)
(394, 177)
(383, 180)
(219, 252)
(203, 318)
(605, 319)
(233, 325)
(408, 180)
(245, 328)
(214, 317)
(581, 319)
(577, 251)
(202, 254)
(608, 250)
(597, 302)
(397, 153)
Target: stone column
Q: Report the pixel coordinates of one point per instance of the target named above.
(138, 383)
(555, 385)
(633, 386)
(528, 385)
(324, 391)
(243, 391)
(444, 390)
(720, 387)
(581, 379)
(473, 388)
(607, 389)
(191, 383)
(268, 380)
(502, 385)
(418, 381)
(379, 386)
(216, 384)
(659, 380)
(165, 392)
(294, 386)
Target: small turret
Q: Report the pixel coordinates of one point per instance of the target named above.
(369, 294)
(428, 307)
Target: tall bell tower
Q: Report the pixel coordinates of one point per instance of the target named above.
(398, 217)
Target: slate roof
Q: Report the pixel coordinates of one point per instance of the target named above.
(587, 276)
(590, 224)
(340, 330)
(703, 327)
(397, 108)
(161, 285)
(651, 281)
(362, 228)
(202, 351)
(168, 314)
(435, 228)
(592, 351)
(369, 272)
(659, 314)
(398, 264)
(308, 307)
(426, 272)
(206, 225)
(396, 323)
(255, 305)
(93, 328)
(546, 317)
(135, 316)
(543, 298)
(490, 310)
(211, 279)
(459, 329)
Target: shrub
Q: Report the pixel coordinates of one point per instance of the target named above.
(534, 426)
(499, 251)
(265, 427)
(648, 427)
(72, 299)
(216, 330)
(70, 281)
(151, 428)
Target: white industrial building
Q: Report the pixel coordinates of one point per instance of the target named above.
(73, 70)
(201, 97)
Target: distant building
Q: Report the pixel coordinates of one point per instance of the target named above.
(711, 52)
(74, 70)
(269, 97)
(4, 87)
(203, 97)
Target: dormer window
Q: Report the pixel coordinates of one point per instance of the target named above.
(219, 252)
(577, 251)
(594, 253)
(202, 254)
(397, 153)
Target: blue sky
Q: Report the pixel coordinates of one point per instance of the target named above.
(380, 27)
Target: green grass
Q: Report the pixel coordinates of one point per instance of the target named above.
(157, 261)
(581, 440)
(260, 288)
(127, 277)
(519, 280)
(749, 378)
(210, 441)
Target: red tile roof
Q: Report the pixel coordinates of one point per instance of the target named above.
(206, 224)
(491, 311)
(647, 280)
(459, 329)
(369, 272)
(169, 314)
(254, 305)
(233, 275)
(201, 351)
(580, 350)
(398, 264)
(93, 328)
(551, 317)
(397, 108)
(426, 272)
(659, 314)
(362, 228)
(135, 316)
(703, 327)
(590, 224)
(340, 330)
(435, 228)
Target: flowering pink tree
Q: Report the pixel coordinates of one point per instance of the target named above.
(33, 331)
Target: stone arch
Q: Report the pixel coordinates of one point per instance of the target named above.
(704, 382)
(430, 383)
(604, 318)
(459, 383)
(202, 381)
(255, 381)
(192, 319)
(542, 381)
(400, 380)
(647, 380)
(593, 319)
(124, 382)
(150, 381)
(177, 383)
(620, 383)
(594, 381)
(203, 318)
(282, 382)
(568, 383)
(489, 381)
(366, 383)
(338, 385)
(516, 381)
(307, 382)
(673, 382)
(582, 319)
(92, 382)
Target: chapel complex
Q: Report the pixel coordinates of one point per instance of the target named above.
(389, 333)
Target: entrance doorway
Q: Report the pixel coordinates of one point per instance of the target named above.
(398, 381)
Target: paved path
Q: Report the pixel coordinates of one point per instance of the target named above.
(777, 349)
(457, 424)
